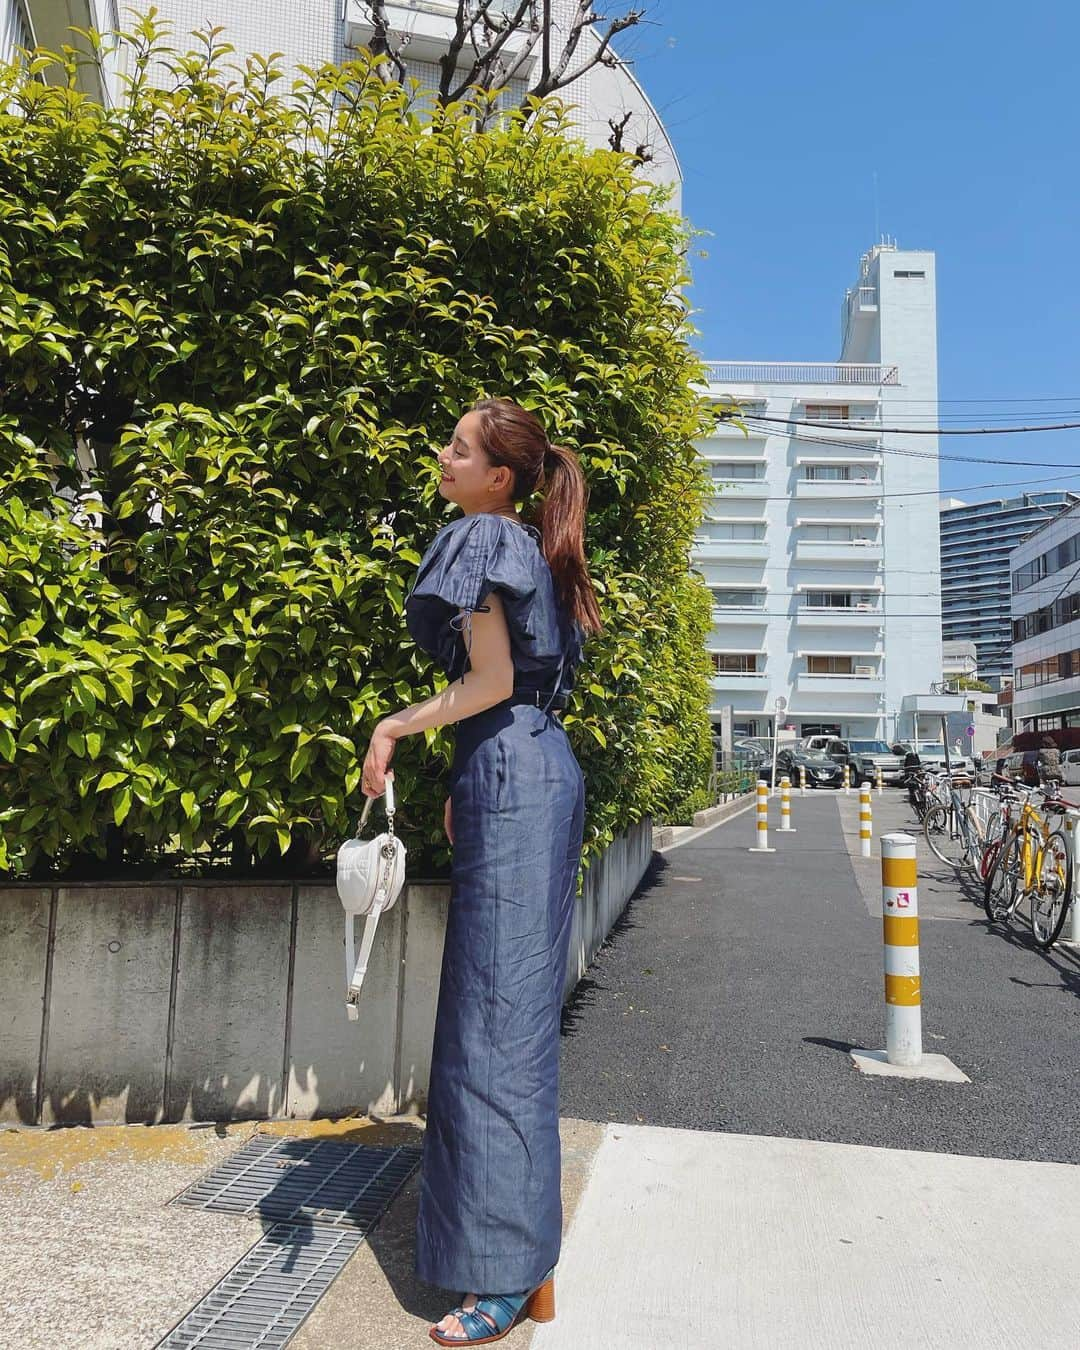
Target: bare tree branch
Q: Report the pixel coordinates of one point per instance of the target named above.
(480, 54)
(380, 43)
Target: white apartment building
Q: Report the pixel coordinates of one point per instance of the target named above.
(821, 543)
(1046, 626)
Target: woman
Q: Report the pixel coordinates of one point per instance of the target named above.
(505, 608)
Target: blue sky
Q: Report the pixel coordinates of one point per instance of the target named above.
(968, 113)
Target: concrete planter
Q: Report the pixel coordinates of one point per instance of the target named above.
(218, 1001)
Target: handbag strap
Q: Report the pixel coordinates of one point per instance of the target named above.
(356, 966)
(390, 808)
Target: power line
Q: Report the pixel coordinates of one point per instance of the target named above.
(791, 613)
(909, 453)
(922, 492)
(909, 431)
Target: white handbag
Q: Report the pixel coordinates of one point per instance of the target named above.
(370, 875)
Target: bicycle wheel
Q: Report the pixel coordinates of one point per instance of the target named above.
(943, 834)
(1053, 886)
(1001, 891)
(991, 844)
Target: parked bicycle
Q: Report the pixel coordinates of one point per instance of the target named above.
(951, 825)
(1033, 864)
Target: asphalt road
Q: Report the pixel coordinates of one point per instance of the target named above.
(731, 990)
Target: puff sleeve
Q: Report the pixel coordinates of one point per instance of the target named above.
(467, 560)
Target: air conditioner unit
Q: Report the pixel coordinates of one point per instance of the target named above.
(864, 670)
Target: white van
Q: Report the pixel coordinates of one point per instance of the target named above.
(1070, 767)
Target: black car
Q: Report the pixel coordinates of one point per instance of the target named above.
(820, 770)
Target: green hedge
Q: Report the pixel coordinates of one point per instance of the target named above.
(264, 312)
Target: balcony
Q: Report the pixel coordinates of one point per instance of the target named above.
(838, 489)
(836, 616)
(751, 550)
(429, 25)
(739, 683)
(750, 488)
(841, 684)
(838, 550)
(736, 614)
(800, 372)
(853, 430)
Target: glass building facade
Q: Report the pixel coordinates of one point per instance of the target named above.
(976, 540)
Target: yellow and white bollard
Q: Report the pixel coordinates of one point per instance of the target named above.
(880, 781)
(847, 777)
(762, 845)
(900, 911)
(785, 806)
(865, 820)
(802, 780)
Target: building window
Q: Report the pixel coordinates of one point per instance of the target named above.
(734, 663)
(840, 534)
(734, 530)
(732, 599)
(734, 471)
(830, 665)
(837, 600)
(827, 473)
(909, 274)
(839, 412)
(15, 31)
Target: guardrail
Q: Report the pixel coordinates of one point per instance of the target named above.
(795, 372)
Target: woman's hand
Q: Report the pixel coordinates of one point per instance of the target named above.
(377, 761)
(448, 819)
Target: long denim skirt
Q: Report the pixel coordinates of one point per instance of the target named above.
(490, 1217)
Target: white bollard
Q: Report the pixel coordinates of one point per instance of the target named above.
(785, 806)
(865, 820)
(847, 778)
(1071, 820)
(880, 781)
(802, 780)
(762, 845)
(900, 914)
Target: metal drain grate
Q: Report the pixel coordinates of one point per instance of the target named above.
(269, 1292)
(319, 1181)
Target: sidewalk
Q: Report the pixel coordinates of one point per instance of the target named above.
(729, 1179)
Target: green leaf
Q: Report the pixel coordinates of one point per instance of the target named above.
(121, 804)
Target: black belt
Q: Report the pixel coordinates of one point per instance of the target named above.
(539, 698)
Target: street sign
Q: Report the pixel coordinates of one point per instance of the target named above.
(781, 703)
(971, 731)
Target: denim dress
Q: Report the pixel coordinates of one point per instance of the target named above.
(490, 1215)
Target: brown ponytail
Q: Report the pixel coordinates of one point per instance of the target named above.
(513, 436)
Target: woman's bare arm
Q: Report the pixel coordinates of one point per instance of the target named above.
(489, 680)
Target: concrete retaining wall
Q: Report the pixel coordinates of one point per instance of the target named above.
(219, 1001)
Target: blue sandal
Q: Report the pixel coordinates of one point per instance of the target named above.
(496, 1314)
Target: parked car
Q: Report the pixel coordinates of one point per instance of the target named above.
(932, 755)
(865, 758)
(1023, 766)
(821, 772)
(1070, 767)
(815, 745)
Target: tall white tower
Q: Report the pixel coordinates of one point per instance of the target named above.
(820, 545)
(891, 317)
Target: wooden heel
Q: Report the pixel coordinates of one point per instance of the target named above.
(542, 1303)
